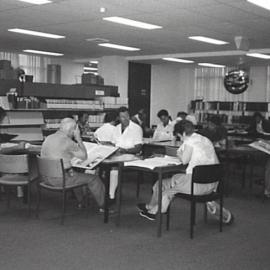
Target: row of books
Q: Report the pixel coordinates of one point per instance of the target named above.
(113, 102)
(74, 104)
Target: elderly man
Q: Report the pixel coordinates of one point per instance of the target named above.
(60, 145)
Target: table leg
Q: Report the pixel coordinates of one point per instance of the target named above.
(106, 199)
(159, 215)
(119, 194)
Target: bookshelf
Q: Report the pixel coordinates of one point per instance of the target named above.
(231, 113)
(52, 102)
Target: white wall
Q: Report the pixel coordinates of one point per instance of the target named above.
(114, 70)
(70, 72)
(172, 88)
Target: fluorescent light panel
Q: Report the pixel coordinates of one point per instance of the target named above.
(261, 3)
(36, 2)
(259, 55)
(211, 65)
(43, 52)
(132, 23)
(208, 40)
(178, 60)
(118, 47)
(90, 69)
(35, 33)
(94, 62)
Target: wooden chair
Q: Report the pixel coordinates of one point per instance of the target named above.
(49, 169)
(204, 174)
(14, 171)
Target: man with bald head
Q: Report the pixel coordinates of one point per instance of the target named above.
(61, 145)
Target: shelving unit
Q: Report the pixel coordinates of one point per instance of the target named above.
(53, 102)
(231, 113)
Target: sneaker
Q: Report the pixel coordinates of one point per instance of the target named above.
(147, 215)
(229, 221)
(142, 207)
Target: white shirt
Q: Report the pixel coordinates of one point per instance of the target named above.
(105, 133)
(164, 133)
(203, 151)
(131, 136)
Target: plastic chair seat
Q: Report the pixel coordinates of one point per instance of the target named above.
(14, 179)
(57, 188)
(199, 198)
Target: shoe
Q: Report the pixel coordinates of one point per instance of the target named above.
(230, 221)
(142, 207)
(147, 215)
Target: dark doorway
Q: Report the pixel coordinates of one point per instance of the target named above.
(139, 87)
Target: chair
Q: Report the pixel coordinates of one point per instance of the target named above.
(204, 174)
(48, 169)
(14, 171)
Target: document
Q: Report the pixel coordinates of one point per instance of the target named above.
(96, 153)
(152, 163)
(262, 145)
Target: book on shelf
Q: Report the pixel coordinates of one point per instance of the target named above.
(152, 163)
(96, 153)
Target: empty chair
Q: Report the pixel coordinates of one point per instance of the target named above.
(53, 168)
(14, 171)
(204, 174)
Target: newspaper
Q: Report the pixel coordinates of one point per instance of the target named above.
(262, 145)
(152, 163)
(96, 153)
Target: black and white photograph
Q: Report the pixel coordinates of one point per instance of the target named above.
(134, 134)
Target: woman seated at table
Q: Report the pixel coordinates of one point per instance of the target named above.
(195, 150)
(259, 125)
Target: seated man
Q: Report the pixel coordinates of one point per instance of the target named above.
(84, 124)
(164, 130)
(215, 131)
(140, 119)
(259, 125)
(128, 137)
(105, 133)
(61, 146)
(195, 150)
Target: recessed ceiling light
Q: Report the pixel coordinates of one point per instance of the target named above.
(177, 60)
(36, 2)
(118, 47)
(94, 62)
(211, 65)
(90, 68)
(261, 3)
(43, 52)
(259, 55)
(133, 23)
(209, 40)
(35, 33)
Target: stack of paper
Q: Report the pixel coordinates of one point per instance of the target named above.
(152, 163)
(261, 145)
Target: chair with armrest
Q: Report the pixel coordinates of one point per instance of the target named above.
(204, 174)
(53, 169)
(14, 170)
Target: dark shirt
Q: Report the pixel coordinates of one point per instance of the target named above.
(214, 135)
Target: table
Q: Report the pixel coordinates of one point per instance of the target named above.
(160, 171)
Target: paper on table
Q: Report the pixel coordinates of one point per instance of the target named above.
(95, 154)
(7, 145)
(152, 163)
(261, 145)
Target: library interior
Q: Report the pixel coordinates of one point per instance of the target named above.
(134, 134)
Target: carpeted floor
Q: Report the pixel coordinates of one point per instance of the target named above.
(86, 243)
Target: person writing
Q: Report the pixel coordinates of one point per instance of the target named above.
(164, 130)
(195, 150)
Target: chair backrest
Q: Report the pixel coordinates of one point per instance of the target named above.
(50, 168)
(206, 174)
(14, 164)
(171, 151)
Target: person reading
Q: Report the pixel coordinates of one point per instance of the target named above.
(66, 144)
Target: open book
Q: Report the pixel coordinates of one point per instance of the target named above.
(262, 145)
(96, 153)
(152, 163)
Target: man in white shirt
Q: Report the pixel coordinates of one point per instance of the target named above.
(195, 150)
(164, 130)
(105, 133)
(128, 137)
